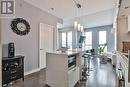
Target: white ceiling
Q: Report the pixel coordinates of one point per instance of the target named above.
(93, 20)
(66, 9)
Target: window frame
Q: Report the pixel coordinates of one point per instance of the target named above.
(66, 39)
(102, 44)
(89, 46)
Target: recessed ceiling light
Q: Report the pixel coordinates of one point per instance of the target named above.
(126, 7)
(52, 9)
(78, 5)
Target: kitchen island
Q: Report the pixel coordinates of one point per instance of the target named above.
(64, 68)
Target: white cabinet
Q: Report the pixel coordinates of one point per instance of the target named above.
(58, 74)
(128, 23)
(73, 76)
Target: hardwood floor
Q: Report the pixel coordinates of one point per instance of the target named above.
(103, 75)
(34, 80)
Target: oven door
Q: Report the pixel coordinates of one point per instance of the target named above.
(72, 61)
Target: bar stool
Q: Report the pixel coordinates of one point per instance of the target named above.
(88, 61)
(87, 58)
(85, 67)
(92, 52)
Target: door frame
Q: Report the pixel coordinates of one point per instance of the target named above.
(39, 66)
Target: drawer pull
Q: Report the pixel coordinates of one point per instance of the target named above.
(119, 69)
(13, 72)
(74, 69)
(13, 77)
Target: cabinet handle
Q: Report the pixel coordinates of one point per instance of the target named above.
(119, 69)
(13, 72)
(74, 69)
(13, 77)
(122, 80)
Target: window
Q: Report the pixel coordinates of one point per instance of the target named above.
(64, 39)
(67, 39)
(88, 41)
(103, 39)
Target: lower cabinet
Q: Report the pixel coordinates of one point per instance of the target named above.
(12, 69)
(58, 71)
(73, 76)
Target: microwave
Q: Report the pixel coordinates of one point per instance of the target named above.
(71, 61)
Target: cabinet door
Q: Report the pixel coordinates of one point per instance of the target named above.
(73, 76)
(77, 75)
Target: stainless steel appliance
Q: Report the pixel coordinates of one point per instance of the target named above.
(71, 61)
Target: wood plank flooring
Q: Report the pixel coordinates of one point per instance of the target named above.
(34, 80)
(103, 75)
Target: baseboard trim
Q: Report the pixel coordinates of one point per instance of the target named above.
(31, 71)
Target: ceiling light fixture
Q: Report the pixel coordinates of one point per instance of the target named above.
(77, 25)
(78, 5)
(126, 7)
(52, 9)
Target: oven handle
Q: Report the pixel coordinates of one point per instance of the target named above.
(119, 69)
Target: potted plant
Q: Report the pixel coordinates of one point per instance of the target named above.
(101, 48)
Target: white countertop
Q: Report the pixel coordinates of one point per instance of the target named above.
(68, 52)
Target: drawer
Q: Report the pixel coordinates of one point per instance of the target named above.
(74, 76)
(5, 78)
(13, 71)
(8, 76)
(16, 71)
(15, 77)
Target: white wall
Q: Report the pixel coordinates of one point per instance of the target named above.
(27, 45)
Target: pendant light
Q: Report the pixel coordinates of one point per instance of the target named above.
(82, 29)
(77, 25)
